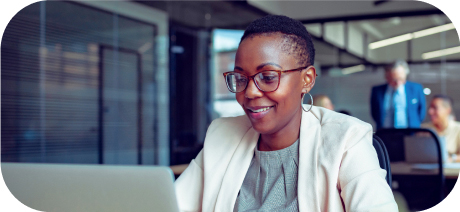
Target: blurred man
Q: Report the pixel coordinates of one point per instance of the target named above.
(399, 103)
(440, 112)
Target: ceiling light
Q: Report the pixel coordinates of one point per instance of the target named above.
(433, 30)
(390, 41)
(441, 53)
(353, 69)
(409, 36)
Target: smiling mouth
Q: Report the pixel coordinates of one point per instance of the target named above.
(260, 109)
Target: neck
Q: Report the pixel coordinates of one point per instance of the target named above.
(441, 125)
(284, 137)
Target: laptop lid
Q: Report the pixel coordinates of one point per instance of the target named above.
(68, 187)
(423, 149)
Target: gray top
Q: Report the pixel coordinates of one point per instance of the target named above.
(271, 181)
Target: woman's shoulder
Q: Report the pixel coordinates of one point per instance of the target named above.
(328, 117)
(235, 124)
(227, 130)
(340, 127)
(456, 124)
(427, 125)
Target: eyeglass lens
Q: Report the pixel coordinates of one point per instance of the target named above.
(266, 81)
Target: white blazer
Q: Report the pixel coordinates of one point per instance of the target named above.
(338, 166)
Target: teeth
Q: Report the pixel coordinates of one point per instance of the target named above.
(260, 110)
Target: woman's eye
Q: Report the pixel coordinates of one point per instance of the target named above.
(241, 80)
(269, 78)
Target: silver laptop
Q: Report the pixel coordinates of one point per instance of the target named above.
(66, 187)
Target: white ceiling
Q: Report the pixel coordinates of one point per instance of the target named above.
(373, 29)
(305, 10)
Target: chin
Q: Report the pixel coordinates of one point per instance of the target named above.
(262, 128)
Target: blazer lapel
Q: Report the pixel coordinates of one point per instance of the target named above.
(310, 137)
(236, 171)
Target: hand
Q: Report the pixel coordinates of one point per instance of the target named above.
(453, 158)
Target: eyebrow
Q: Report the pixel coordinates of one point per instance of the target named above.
(268, 64)
(238, 68)
(260, 66)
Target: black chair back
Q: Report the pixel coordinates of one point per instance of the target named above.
(382, 154)
(420, 191)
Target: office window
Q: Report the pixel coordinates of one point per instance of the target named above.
(78, 86)
(225, 44)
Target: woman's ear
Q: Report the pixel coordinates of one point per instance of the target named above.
(308, 77)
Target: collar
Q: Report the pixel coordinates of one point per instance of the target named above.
(309, 141)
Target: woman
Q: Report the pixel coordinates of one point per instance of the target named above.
(281, 156)
(441, 116)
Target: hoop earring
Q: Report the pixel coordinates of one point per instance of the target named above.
(311, 105)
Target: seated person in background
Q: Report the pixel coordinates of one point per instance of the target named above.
(398, 103)
(282, 155)
(441, 115)
(323, 101)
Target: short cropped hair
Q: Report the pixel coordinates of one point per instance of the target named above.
(397, 64)
(448, 101)
(298, 39)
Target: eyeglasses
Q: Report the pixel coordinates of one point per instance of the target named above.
(266, 81)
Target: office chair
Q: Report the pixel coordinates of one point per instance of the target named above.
(421, 191)
(382, 154)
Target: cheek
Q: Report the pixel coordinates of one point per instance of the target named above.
(442, 113)
(240, 98)
(286, 100)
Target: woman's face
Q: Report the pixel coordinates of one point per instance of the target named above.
(438, 111)
(269, 112)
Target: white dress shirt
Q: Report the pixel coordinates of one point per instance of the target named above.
(395, 105)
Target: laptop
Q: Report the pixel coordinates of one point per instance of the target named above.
(422, 149)
(68, 187)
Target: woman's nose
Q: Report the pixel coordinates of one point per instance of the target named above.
(252, 91)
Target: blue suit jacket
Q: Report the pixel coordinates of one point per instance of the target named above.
(416, 105)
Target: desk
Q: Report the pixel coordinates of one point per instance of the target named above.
(451, 171)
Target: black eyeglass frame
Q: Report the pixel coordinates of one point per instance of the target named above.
(255, 81)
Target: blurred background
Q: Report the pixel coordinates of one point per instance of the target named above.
(136, 82)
